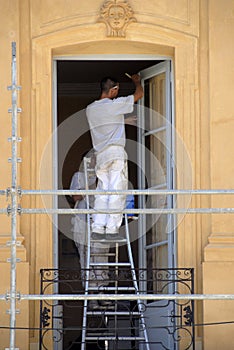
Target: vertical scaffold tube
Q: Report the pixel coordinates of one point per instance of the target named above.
(14, 140)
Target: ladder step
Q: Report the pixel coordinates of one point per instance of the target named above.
(102, 254)
(122, 240)
(110, 264)
(113, 313)
(113, 338)
(105, 288)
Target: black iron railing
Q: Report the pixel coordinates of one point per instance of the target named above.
(170, 323)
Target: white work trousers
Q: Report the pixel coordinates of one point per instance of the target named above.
(112, 175)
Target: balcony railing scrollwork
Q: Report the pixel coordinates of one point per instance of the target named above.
(169, 323)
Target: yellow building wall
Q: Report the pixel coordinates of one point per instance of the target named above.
(218, 263)
(198, 37)
(221, 53)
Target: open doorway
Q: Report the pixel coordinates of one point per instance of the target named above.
(77, 86)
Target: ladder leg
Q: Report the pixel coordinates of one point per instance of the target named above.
(135, 283)
(84, 323)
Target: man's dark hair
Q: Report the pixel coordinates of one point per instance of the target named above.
(108, 83)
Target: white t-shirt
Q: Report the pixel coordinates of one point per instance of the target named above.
(106, 121)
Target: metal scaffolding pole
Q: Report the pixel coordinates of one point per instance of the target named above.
(146, 192)
(82, 297)
(13, 208)
(129, 211)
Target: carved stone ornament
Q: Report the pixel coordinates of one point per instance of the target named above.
(116, 14)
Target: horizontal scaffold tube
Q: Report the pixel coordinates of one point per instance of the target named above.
(130, 211)
(122, 297)
(147, 192)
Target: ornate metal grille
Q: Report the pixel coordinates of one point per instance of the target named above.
(171, 325)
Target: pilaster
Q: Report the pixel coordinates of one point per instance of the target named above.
(220, 248)
(5, 248)
(22, 307)
(218, 269)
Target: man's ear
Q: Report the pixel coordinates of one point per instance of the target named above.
(111, 93)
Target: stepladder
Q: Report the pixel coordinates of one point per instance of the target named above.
(110, 323)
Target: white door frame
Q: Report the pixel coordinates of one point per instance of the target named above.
(165, 66)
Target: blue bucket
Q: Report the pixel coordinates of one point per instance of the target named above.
(130, 203)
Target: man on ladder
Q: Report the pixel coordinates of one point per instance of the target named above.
(106, 120)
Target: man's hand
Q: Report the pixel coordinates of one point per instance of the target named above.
(139, 93)
(136, 79)
(131, 120)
